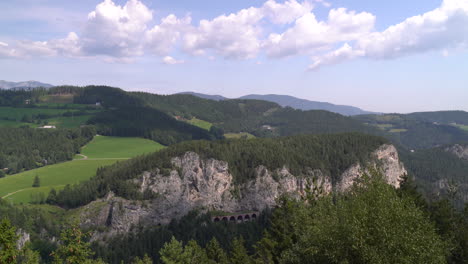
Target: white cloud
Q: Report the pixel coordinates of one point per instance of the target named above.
(309, 35)
(237, 36)
(115, 30)
(344, 53)
(122, 33)
(286, 12)
(233, 36)
(171, 61)
(162, 38)
(442, 29)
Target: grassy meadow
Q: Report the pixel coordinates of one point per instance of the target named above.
(200, 123)
(12, 117)
(101, 151)
(239, 135)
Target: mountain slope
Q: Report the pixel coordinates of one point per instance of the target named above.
(290, 101)
(23, 85)
(206, 96)
(302, 104)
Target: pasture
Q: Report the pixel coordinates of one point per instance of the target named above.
(102, 147)
(13, 117)
(101, 151)
(200, 123)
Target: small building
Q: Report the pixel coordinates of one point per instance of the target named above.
(27, 101)
(49, 127)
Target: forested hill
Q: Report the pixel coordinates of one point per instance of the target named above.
(290, 101)
(421, 130)
(303, 104)
(25, 148)
(442, 117)
(260, 118)
(332, 154)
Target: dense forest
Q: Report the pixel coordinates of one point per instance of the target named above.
(332, 154)
(442, 117)
(438, 173)
(418, 131)
(27, 148)
(261, 118)
(148, 123)
(373, 223)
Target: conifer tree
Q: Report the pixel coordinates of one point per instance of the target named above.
(8, 237)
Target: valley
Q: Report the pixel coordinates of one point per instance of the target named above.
(100, 152)
(136, 169)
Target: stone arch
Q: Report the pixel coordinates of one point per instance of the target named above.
(240, 218)
(232, 218)
(246, 217)
(225, 218)
(254, 216)
(217, 219)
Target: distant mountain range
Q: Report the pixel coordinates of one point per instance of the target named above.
(294, 102)
(207, 96)
(23, 85)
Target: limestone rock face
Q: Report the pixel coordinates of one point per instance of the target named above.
(206, 184)
(23, 238)
(460, 151)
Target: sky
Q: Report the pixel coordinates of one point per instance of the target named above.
(383, 56)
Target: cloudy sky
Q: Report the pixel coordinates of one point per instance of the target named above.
(387, 56)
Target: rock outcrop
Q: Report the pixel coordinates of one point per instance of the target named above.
(206, 184)
(460, 151)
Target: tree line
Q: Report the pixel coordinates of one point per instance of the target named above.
(332, 154)
(28, 148)
(372, 223)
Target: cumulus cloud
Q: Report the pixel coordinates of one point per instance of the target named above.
(309, 35)
(115, 30)
(121, 33)
(162, 38)
(237, 36)
(171, 61)
(286, 12)
(438, 30)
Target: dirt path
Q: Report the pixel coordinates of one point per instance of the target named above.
(84, 157)
(10, 194)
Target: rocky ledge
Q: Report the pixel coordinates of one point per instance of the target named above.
(206, 184)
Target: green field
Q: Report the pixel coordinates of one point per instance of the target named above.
(118, 147)
(200, 123)
(68, 122)
(15, 115)
(102, 151)
(239, 135)
(398, 130)
(464, 127)
(10, 123)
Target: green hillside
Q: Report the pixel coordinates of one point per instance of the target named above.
(102, 147)
(100, 152)
(420, 130)
(330, 153)
(67, 116)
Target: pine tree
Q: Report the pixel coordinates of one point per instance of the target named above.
(37, 182)
(73, 250)
(172, 252)
(239, 254)
(215, 253)
(145, 260)
(8, 237)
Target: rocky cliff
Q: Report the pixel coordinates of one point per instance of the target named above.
(460, 151)
(206, 184)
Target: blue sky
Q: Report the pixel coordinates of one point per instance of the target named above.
(386, 56)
